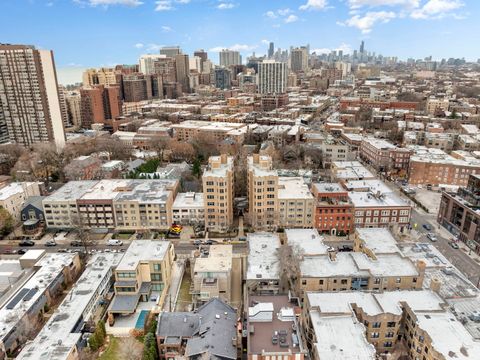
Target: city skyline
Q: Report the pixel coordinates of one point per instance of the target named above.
(104, 28)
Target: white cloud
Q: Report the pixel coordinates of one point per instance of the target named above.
(225, 6)
(131, 3)
(166, 28)
(154, 47)
(346, 48)
(291, 18)
(314, 5)
(410, 4)
(366, 22)
(236, 47)
(183, 1)
(283, 12)
(265, 42)
(437, 9)
(139, 45)
(271, 14)
(163, 5)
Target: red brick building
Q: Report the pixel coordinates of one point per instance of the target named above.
(333, 210)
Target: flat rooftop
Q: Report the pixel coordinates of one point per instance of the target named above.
(13, 189)
(143, 251)
(188, 200)
(363, 199)
(357, 264)
(341, 338)
(378, 240)
(307, 240)
(50, 269)
(60, 334)
(293, 188)
(219, 259)
(328, 187)
(262, 261)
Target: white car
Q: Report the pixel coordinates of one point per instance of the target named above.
(432, 237)
(113, 242)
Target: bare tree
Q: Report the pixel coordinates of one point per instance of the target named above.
(116, 149)
(83, 233)
(129, 349)
(159, 144)
(11, 153)
(289, 258)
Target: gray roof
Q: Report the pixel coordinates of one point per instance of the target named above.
(35, 201)
(209, 330)
(124, 303)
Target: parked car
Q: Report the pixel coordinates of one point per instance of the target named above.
(50, 243)
(76, 243)
(22, 251)
(10, 252)
(114, 242)
(454, 245)
(26, 243)
(427, 227)
(475, 316)
(345, 248)
(431, 237)
(197, 242)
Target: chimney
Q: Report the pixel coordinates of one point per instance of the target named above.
(435, 285)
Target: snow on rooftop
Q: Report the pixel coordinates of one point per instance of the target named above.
(341, 338)
(378, 240)
(262, 259)
(143, 250)
(308, 240)
(293, 188)
(56, 340)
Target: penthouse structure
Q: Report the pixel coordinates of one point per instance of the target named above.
(60, 338)
(333, 209)
(217, 182)
(435, 167)
(30, 109)
(37, 282)
(109, 204)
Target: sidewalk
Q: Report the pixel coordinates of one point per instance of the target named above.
(177, 275)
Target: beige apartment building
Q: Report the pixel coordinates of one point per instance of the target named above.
(143, 275)
(212, 275)
(262, 192)
(296, 204)
(218, 131)
(437, 104)
(218, 193)
(101, 76)
(12, 196)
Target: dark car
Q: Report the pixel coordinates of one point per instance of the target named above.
(26, 243)
(197, 242)
(345, 248)
(21, 251)
(427, 227)
(75, 243)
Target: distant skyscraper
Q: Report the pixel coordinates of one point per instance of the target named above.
(202, 54)
(271, 50)
(272, 77)
(299, 59)
(362, 47)
(30, 109)
(98, 104)
(147, 63)
(170, 51)
(102, 76)
(230, 57)
(223, 78)
(182, 66)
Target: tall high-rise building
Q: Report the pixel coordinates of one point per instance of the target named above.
(271, 50)
(30, 109)
(223, 78)
(362, 47)
(170, 51)
(182, 70)
(147, 63)
(102, 76)
(99, 103)
(299, 59)
(63, 105)
(202, 54)
(272, 77)
(230, 57)
(73, 108)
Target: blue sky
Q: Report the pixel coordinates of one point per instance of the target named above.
(86, 33)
